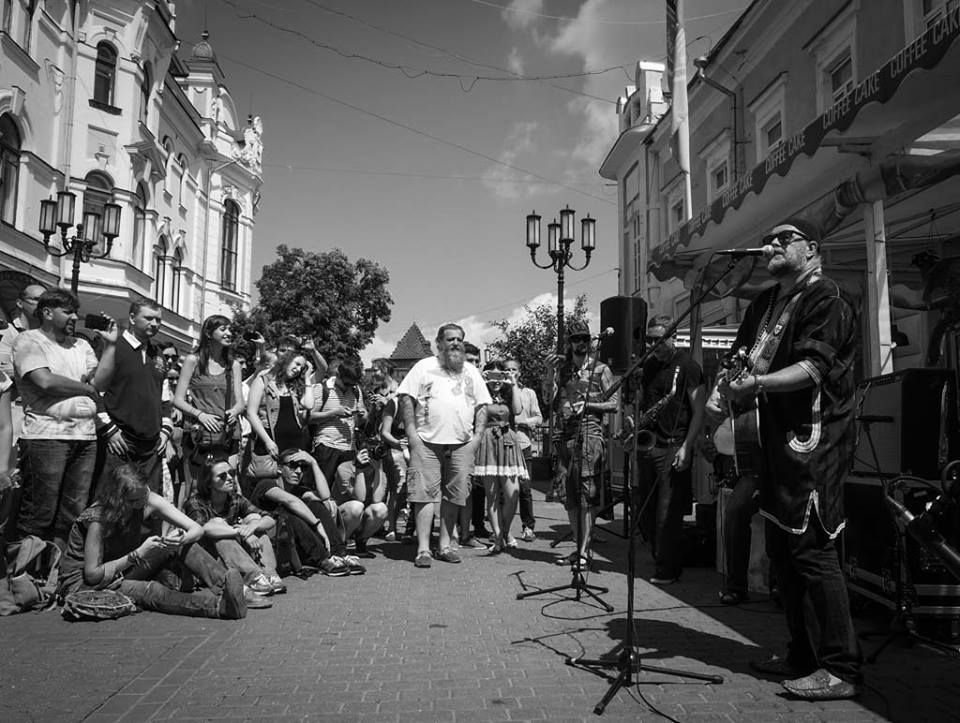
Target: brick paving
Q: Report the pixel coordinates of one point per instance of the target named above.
(451, 643)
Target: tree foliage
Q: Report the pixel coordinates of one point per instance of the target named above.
(531, 339)
(324, 296)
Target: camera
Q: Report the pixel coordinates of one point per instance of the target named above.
(97, 322)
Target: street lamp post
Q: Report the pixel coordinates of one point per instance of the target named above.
(559, 240)
(88, 234)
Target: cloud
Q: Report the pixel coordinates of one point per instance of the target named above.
(506, 183)
(515, 62)
(521, 14)
(377, 348)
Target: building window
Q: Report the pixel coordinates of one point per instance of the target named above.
(96, 195)
(182, 180)
(719, 177)
(834, 53)
(160, 270)
(177, 277)
(139, 225)
(104, 73)
(716, 160)
(768, 115)
(168, 165)
(9, 168)
(840, 77)
(228, 246)
(146, 84)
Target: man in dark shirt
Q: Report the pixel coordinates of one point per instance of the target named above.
(136, 424)
(673, 393)
(802, 333)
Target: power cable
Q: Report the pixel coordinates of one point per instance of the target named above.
(467, 82)
(417, 131)
(520, 11)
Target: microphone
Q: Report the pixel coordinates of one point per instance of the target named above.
(921, 528)
(609, 331)
(765, 251)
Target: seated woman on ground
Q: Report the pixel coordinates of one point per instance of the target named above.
(234, 530)
(283, 497)
(105, 549)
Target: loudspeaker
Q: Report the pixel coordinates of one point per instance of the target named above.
(627, 316)
(909, 420)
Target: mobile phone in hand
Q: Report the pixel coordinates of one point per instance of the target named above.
(97, 322)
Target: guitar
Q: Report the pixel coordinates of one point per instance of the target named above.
(739, 432)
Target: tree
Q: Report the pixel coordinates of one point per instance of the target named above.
(323, 296)
(531, 339)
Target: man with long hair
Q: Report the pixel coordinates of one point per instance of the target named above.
(440, 400)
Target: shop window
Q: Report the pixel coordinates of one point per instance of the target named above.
(228, 245)
(9, 168)
(105, 70)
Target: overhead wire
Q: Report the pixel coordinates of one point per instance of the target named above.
(414, 130)
(661, 21)
(407, 174)
(467, 82)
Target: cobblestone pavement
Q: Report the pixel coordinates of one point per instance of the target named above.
(451, 643)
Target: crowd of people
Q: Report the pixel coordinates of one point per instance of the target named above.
(194, 487)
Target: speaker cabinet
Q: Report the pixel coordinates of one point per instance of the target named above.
(907, 423)
(627, 316)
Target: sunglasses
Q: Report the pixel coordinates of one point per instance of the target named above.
(783, 238)
(651, 340)
(580, 337)
(292, 465)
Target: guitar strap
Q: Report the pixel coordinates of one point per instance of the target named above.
(770, 337)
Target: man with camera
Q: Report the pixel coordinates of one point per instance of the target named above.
(58, 446)
(136, 425)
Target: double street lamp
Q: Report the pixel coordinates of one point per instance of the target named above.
(559, 240)
(88, 235)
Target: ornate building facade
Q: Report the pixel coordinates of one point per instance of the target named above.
(95, 100)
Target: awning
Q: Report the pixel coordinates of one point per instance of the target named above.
(885, 112)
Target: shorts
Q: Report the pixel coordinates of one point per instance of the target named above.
(329, 458)
(444, 472)
(580, 484)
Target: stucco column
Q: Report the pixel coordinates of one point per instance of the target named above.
(878, 291)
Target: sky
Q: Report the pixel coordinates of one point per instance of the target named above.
(380, 139)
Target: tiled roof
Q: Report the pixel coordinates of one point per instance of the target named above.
(413, 345)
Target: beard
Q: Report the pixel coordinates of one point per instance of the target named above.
(453, 360)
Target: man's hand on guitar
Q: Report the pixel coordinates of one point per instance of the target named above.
(739, 390)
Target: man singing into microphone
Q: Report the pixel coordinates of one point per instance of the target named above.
(803, 334)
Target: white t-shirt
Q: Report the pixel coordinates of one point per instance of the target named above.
(445, 402)
(50, 417)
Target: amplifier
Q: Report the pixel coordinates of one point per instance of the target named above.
(869, 550)
(907, 423)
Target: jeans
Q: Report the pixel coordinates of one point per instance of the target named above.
(741, 506)
(177, 569)
(57, 477)
(235, 556)
(143, 456)
(666, 495)
(815, 600)
(526, 495)
(310, 546)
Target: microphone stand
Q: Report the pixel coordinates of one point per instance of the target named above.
(628, 661)
(578, 582)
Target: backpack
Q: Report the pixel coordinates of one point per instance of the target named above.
(31, 577)
(328, 385)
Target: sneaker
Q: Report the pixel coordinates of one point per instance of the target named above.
(260, 585)
(733, 597)
(334, 567)
(424, 559)
(353, 565)
(391, 536)
(528, 535)
(278, 585)
(449, 555)
(663, 580)
(511, 543)
(362, 550)
(233, 604)
(821, 685)
(255, 600)
(472, 543)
